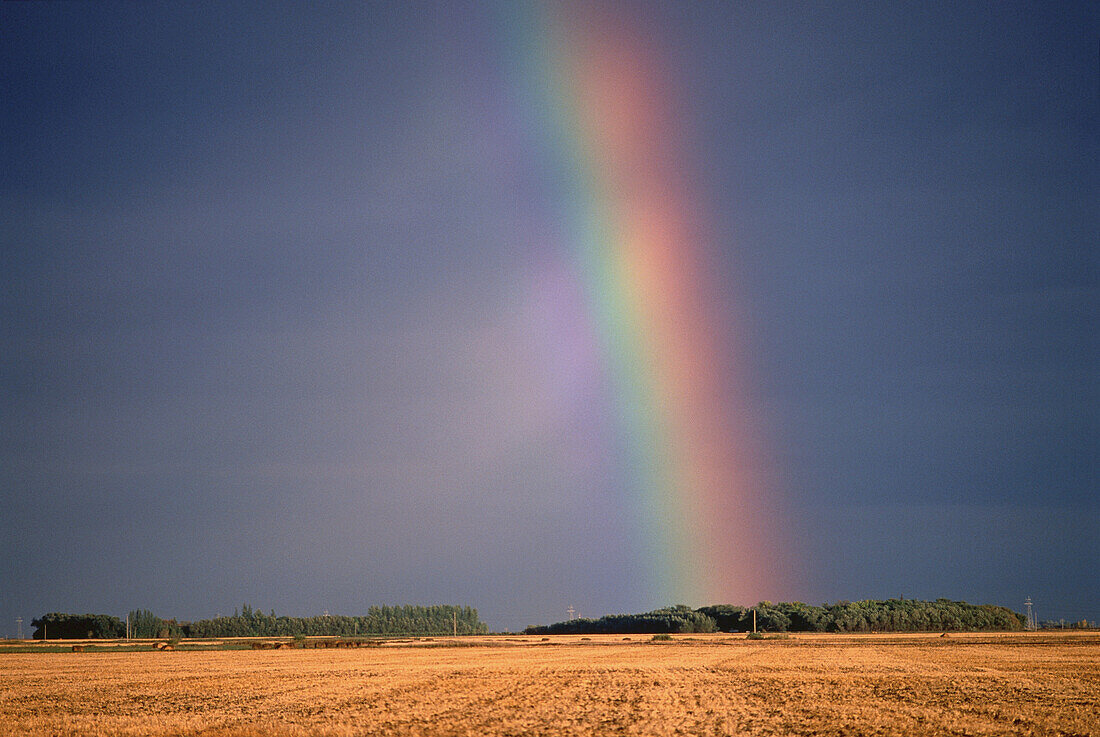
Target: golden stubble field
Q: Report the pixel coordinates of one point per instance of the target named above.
(973, 684)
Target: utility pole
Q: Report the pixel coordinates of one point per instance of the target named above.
(1030, 616)
(454, 622)
(754, 621)
(19, 626)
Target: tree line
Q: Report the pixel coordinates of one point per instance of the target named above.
(249, 622)
(679, 618)
(60, 626)
(890, 615)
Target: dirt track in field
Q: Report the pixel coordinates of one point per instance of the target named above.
(1039, 684)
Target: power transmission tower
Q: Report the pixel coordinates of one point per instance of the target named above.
(572, 612)
(1030, 616)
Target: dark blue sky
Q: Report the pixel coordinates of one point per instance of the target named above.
(265, 306)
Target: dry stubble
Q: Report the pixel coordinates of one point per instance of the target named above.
(713, 685)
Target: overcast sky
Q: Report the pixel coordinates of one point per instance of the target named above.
(266, 305)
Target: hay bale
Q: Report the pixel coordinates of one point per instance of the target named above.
(78, 648)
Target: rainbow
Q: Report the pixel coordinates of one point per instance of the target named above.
(607, 143)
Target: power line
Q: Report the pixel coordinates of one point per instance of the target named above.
(1070, 613)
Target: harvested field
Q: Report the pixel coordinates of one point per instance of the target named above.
(976, 684)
